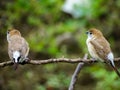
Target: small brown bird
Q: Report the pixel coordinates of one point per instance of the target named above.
(18, 48)
(99, 48)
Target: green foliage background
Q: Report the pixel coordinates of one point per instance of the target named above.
(52, 33)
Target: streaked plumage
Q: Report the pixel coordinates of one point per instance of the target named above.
(18, 48)
(99, 48)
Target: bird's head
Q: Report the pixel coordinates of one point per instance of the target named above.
(94, 33)
(12, 32)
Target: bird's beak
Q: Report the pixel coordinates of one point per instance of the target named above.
(87, 32)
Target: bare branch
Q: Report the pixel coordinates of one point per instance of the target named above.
(75, 75)
(54, 60)
(7, 63)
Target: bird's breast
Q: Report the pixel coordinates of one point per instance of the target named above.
(92, 50)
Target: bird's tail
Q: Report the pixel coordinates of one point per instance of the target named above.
(15, 65)
(115, 69)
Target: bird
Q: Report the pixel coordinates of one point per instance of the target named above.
(18, 47)
(99, 48)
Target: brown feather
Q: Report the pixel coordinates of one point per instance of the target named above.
(101, 47)
(17, 43)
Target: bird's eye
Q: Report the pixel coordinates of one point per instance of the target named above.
(7, 32)
(90, 33)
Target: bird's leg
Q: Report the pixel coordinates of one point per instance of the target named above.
(27, 59)
(93, 60)
(24, 61)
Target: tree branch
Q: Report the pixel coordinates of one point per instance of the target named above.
(75, 75)
(54, 60)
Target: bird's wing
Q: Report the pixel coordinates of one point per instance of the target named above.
(101, 47)
(10, 52)
(20, 44)
(25, 48)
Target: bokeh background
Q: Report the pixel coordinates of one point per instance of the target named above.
(56, 28)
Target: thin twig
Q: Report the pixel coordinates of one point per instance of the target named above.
(54, 60)
(75, 75)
